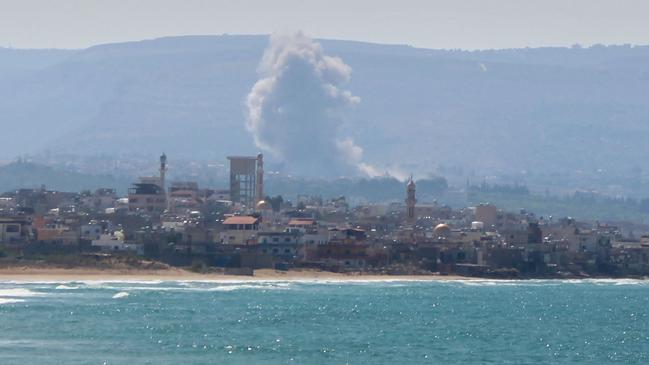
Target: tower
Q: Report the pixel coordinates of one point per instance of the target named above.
(259, 187)
(243, 177)
(411, 219)
(163, 171)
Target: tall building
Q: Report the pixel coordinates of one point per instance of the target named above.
(487, 214)
(163, 170)
(259, 187)
(149, 195)
(246, 179)
(411, 218)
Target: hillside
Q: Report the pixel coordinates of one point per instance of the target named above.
(522, 112)
(29, 175)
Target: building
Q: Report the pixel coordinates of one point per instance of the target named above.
(146, 197)
(91, 231)
(487, 214)
(259, 184)
(114, 242)
(411, 200)
(100, 200)
(15, 229)
(246, 179)
(149, 194)
(240, 230)
(184, 197)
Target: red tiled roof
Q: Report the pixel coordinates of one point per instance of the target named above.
(241, 220)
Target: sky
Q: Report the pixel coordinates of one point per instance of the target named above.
(449, 24)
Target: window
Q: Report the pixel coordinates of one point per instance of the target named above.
(12, 228)
(286, 250)
(287, 239)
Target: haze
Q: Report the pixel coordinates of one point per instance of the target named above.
(472, 24)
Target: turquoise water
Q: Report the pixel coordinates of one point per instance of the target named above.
(500, 322)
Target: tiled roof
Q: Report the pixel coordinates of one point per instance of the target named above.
(241, 220)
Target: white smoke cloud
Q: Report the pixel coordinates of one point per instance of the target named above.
(296, 109)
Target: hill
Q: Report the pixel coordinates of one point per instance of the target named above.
(525, 113)
(29, 175)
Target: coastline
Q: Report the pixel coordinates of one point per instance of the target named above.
(31, 274)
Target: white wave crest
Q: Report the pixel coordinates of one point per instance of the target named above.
(66, 287)
(10, 300)
(121, 294)
(19, 293)
(281, 286)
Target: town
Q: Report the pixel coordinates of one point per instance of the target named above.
(240, 229)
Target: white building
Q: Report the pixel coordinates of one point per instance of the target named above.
(115, 243)
(240, 230)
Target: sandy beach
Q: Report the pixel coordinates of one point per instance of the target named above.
(28, 274)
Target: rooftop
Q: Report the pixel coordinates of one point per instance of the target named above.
(241, 220)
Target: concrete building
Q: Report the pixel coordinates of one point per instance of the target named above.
(487, 214)
(184, 197)
(114, 242)
(411, 200)
(91, 231)
(240, 230)
(246, 179)
(15, 229)
(99, 200)
(149, 194)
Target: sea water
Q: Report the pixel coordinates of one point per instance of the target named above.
(310, 322)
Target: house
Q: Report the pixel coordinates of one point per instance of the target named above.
(283, 245)
(346, 235)
(240, 230)
(15, 228)
(340, 255)
(114, 242)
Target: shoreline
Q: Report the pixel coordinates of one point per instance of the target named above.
(30, 274)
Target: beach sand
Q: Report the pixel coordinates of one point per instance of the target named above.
(30, 274)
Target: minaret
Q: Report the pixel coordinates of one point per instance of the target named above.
(163, 171)
(411, 219)
(259, 179)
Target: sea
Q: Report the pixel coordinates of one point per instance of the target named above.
(325, 322)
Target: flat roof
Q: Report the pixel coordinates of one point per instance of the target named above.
(301, 222)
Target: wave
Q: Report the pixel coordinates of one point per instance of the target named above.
(19, 293)
(548, 282)
(609, 281)
(279, 286)
(10, 300)
(121, 294)
(66, 287)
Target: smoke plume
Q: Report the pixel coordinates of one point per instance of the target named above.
(296, 109)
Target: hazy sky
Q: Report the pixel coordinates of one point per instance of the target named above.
(465, 24)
